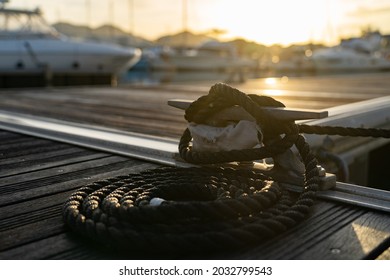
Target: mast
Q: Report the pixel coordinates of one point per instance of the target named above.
(185, 15)
(88, 17)
(131, 11)
(111, 18)
(185, 22)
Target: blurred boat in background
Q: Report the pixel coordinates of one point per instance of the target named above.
(355, 54)
(32, 53)
(210, 56)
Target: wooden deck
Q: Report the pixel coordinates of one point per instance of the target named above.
(145, 110)
(37, 175)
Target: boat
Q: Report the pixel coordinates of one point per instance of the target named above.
(211, 56)
(156, 58)
(32, 53)
(355, 54)
(293, 59)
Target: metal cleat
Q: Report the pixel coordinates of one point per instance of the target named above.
(238, 113)
(228, 130)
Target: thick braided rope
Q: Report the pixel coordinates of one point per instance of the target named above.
(344, 131)
(203, 209)
(206, 210)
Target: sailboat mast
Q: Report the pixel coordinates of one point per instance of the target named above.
(185, 15)
(131, 11)
(88, 17)
(185, 19)
(111, 18)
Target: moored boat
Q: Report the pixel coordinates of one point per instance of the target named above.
(211, 56)
(355, 54)
(32, 53)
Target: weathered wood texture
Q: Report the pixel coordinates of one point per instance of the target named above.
(144, 109)
(38, 175)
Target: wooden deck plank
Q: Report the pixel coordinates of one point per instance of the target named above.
(385, 255)
(41, 249)
(63, 246)
(48, 160)
(55, 183)
(144, 109)
(361, 239)
(326, 219)
(31, 225)
(10, 155)
(41, 154)
(31, 232)
(17, 220)
(30, 208)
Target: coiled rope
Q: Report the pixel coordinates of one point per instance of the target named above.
(201, 209)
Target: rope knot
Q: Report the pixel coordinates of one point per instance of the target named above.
(222, 96)
(225, 103)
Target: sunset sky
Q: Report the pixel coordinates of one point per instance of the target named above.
(267, 22)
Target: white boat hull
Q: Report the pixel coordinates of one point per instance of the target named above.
(342, 59)
(33, 53)
(64, 57)
(40, 62)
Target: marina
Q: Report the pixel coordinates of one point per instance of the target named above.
(237, 135)
(39, 171)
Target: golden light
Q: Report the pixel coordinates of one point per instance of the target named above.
(284, 80)
(308, 53)
(362, 233)
(275, 59)
(272, 92)
(270, 81)
(269, 22)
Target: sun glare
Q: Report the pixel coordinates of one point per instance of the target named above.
(270, 81)
(269, 22)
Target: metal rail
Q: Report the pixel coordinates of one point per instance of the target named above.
(159, 150)
(154, 149)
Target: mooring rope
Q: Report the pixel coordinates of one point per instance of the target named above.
(344, 131)
(201, 209)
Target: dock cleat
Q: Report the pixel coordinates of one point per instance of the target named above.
(234, 129)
